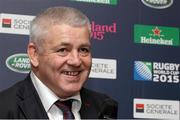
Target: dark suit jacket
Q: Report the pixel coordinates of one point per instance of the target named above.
(21, 101)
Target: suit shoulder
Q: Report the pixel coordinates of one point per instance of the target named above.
(8, 101)
(99, 97)
(10, 93)
(106, 107)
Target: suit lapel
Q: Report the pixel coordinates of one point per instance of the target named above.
(29, 101)
(32, 108)
(88, 109)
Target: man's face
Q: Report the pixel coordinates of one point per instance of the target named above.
(65, 62)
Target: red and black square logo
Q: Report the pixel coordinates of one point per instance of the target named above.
(140, 108)
(6, 22)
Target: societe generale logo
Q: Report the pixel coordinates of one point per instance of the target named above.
(158, 4)
(6, 22)
(156, 109)
(15, 23)
(18, 63)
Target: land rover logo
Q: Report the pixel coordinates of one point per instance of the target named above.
(18, 63)
(158, 4)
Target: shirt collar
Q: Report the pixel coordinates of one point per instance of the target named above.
(48, 98)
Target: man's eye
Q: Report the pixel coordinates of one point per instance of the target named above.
(62, 51)
(84, 51)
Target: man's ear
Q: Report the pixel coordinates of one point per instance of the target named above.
(33, 54)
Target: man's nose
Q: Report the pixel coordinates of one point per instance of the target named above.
(74, 59)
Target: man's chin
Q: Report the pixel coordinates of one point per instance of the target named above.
(69, 94)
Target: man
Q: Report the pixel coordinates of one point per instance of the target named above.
(60, 55)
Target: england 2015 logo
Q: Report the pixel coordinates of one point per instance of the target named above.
(156, 71)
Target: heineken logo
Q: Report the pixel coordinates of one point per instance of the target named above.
(158, 4)
(18, 63)
(156, 31)
(159, 35)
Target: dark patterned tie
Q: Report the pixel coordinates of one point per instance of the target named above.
(65, 106)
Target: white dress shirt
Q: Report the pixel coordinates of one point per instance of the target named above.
(48, 98)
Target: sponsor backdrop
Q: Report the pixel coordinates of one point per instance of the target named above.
(136, 46)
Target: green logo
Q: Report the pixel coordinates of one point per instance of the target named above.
(156, 35)
(18, 63)
(158, 4)
(111, 2)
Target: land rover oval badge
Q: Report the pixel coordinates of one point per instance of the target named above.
(18, 63)
(158, 4)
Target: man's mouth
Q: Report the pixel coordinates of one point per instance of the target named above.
(71, 73)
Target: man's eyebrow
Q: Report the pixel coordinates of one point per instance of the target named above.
(68, 44)
(64, 43)
(86, 44)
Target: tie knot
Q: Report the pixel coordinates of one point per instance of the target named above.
(65, 107)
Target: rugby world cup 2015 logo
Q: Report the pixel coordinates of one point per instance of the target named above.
(142, 70)
(157, 71)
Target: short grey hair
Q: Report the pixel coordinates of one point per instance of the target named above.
(53, 16)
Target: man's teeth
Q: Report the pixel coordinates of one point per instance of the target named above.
(71, 73)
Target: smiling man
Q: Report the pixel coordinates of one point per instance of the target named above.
(59, 50)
